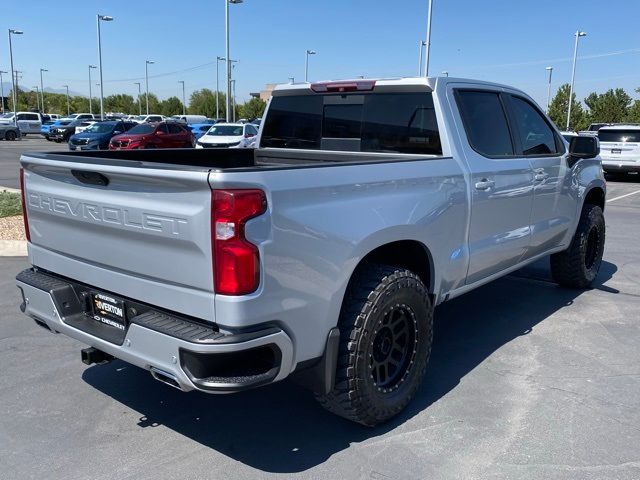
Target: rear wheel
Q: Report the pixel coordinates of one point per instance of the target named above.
(386, 331)
(10, 136)
(578, 266)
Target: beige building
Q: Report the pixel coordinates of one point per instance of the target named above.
(265, 94)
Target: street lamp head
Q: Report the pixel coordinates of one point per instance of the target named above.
(236, 1)
(105, 18)
(150, 62)
(44, 70)
(16, 32)
(311, 52)
(92, 66)
(581, 34)
(549, 68)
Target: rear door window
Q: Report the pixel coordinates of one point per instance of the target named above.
(535, 134)
(380, 122)
(173, 128)
(485, 122)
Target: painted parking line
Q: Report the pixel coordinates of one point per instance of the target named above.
(623, 196)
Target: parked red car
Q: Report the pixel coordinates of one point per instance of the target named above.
(154, 135)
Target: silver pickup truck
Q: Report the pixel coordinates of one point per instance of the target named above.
(321, 254)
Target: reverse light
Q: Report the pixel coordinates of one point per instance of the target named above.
(236, 261)
(23, 195)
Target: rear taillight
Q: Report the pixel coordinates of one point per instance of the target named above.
(24, 205)
(236, 261)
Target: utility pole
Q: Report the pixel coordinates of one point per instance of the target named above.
(428, 43)
(550, 70)
(184, 101)
(42, 87)
(90, 95)
(2, 91)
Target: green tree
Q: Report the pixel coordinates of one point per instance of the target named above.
(171, 106)
(559, 106)
(254, 108)
(203, 102)
(611, 106)
(119, 103)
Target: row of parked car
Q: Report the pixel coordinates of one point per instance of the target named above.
(127, 135)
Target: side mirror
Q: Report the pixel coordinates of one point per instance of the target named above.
(582, 148)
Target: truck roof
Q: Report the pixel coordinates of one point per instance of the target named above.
(394, 84)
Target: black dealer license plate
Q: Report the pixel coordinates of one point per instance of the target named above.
(616, 151)
(109, 310)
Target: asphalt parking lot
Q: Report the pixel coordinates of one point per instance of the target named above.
(10, 152)
(526, 380)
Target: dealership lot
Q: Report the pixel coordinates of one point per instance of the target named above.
(10, 152)
(527, 380)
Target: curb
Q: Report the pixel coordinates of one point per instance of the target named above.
(13, 248)
(10, 190)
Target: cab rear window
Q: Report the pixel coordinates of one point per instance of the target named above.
(380, 122)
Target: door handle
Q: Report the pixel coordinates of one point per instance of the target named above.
(484, 184)
(540, 175)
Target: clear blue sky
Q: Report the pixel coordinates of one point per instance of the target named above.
(506, 41)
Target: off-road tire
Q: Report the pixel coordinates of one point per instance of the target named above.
(375, 296)
(578, 266)
(10, 136)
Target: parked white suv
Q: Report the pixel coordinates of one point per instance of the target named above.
(28, 122)
(620, 148)
(229, 135)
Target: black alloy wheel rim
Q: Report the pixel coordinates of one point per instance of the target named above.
(592, 248)
(393, 349)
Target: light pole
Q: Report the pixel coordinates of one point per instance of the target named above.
(306, 64)
(37, 99)
(42, 87)
(13, 81)
(218, 60)
(2, 91)
(103, 18)
(228, 56)
(428, 42)
(184, 101)
(578, 34)
(421, 47)
(445, 73)
(139, 98)
(233, 99)
(550, 70)
(90, 95)
(292, 80)
(146, 80)
(68, 109)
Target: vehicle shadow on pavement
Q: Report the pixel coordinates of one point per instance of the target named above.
(281, 429)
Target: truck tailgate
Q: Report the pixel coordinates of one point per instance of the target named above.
(148, 226)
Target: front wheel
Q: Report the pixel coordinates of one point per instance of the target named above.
(578, 266)
(10, 136)
(386, 331)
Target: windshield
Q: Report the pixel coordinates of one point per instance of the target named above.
(619, 135)
(140, 117)
(6, 115)
(72, 116)
(142, 129)
(100, 128)
(225, 131)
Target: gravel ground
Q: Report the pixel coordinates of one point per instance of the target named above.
(12, 228)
